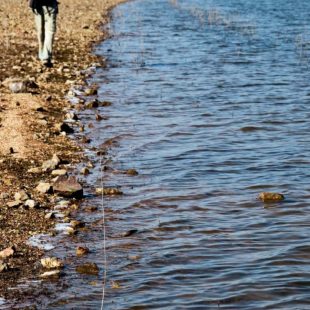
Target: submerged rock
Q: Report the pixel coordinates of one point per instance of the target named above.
(129, 232)
(81, 251)
(68, 187)
(88, 268)
(108, 191)
(132, 172)
(270, 197)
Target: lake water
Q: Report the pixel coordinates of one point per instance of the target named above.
(211, 106)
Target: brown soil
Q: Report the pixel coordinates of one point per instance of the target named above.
(27, 121)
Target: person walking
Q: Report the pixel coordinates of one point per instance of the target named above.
(45, 12)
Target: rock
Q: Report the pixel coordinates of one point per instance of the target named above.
(134, 257)
(16, 85)
(14, 204)
(34, 170)
(115, 285)
(98, 117)
(52, 273)
(108, 191)
(8, 252)
(30, 203)
(63, 127)
(71, 116)
(129, 233)
(105, 103)
(49, 215)
(92, 104)
(88, 268)
(270, 197)
(85, 171)
(3, 267)
(81, 251)
(68, 187)
(44, 188)
(21, 196)
(77, 224)
(51, 164)
(91, 209)
(90, 92)
(51, 263)
(4, 195)
(70, 231)
(59, 172)
(132, 172)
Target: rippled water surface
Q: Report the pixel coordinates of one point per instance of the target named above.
(211, 106)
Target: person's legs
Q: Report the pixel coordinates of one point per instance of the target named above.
(40, 25)
(50, 15)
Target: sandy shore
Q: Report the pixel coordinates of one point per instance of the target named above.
(29, 120)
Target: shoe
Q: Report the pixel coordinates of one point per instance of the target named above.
(47, 63)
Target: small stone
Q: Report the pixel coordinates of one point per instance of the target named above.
(14, 204)
(90, 165)
(108, 191)
(21, 196)
(134, 257)
(31, 204)
(8, 252)
(52, 273)
(115, 285)
(91, 209)
(4, 195)
(34, 170)
(88, 268)
(129, 233)
(85, 171)
(51, 263)
(59, 172)
(51, 164)
(71, 116)
(68, 187)
(271, 197)
(98, 117)
(49, 216)
(3, 267)
(63, 127)
(90, 92)
(44, 188)
(81, 251)
(92, 104)
(132, 172)
(77, 224)
(70, 230)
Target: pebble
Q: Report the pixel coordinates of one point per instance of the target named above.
(44, 188)
(270, 197)
(51, 263)
(14, 204)
(81, 251)
(30, 203)
(51, 273)
(88, 268)
(108, 191)
(85, 171)
(3, 267)
(8, 252)
(21, 196)
(59, 172)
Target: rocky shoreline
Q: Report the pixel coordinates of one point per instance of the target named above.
(38, 158)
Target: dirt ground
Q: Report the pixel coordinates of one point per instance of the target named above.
(28, 120)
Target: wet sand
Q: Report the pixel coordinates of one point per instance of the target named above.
(28, 121)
